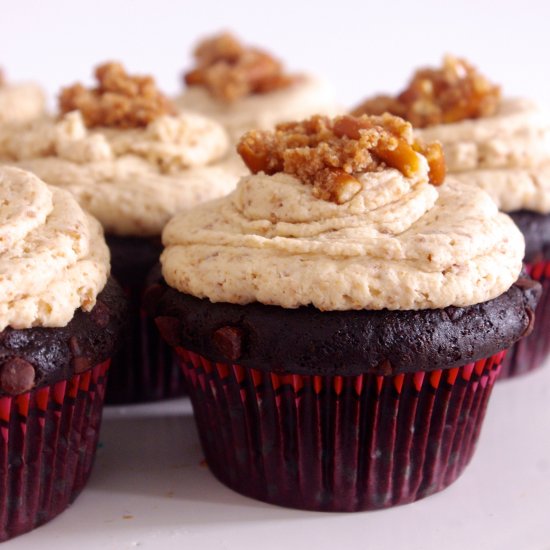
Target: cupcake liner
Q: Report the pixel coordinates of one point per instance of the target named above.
(337, 443)
(530, 352)
(145, 368)
(48, 439)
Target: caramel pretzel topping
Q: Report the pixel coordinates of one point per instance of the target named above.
(454, 92)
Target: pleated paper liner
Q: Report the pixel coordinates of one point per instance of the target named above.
(338, 443)
(530, 352)
(145, 368)
(48, 439)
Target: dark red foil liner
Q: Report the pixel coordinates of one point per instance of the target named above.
(337, 443)
(48, 439)
(145, 368)
(530, 352)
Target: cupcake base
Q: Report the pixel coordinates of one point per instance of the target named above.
(48, 439)
(529, 353)
(337, 443)
(145, 368)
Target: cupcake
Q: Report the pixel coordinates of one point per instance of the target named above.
(20, 102)
(246, 88)
(500, 144)
(60, 319)
(341, 317)
(132, 163)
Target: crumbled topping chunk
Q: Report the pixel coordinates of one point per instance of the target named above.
(119, 100)
(454, 92)
(229, 70)
(329, 153)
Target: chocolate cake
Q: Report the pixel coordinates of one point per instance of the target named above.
(144, 368)
(312, 342)
(36, 357)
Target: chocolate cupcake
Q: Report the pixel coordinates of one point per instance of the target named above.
(132, 163)
(340, 318)
(500, 144)
(60, 319)
(20, 102)
(245, 88)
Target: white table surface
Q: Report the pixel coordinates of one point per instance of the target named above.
(150, 489)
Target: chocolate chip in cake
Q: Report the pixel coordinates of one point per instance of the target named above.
(228, 340)
(525, 283)
(170, 329)
(16, 376)
(81, 364)
(100, 314)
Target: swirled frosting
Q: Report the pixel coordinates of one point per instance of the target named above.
(400, 244)
(132, 180)
(21, 102)
(53, 258)
(507, 154)
(307, 96)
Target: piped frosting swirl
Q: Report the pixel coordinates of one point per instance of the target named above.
(53, 258)
(399, 243)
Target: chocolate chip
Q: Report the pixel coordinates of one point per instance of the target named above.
(228, 340)
(81, 364)
(16, 376)
(525, 283)
(531, 322)
(74, 346)
(100, 314)
(170, 329)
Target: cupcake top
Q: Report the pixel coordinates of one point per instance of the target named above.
(121, 149)
(344, 214)
(245, 87)
(500, 144)
(53, 258)
(20, 102)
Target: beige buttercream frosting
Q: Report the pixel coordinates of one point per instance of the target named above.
(507, 154)
(21, 102)
(305, 97)
(132, 180)
(53, 258)
(400, 243)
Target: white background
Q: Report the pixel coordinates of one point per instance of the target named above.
(149, 488)
(361, 47)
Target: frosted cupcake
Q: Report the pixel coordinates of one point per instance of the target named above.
(500, 144)
(20, 102)
(131, 161)
(244, 87)
(60, 321)
(341, 316)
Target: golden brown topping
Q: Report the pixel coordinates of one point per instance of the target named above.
(119, 100)
(2, 78)
(229, 70)
(330, 153)
(454, 92)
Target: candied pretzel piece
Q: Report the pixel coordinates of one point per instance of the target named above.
(229, 70)
(454, 92)
(119, 100)
(329, 154)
